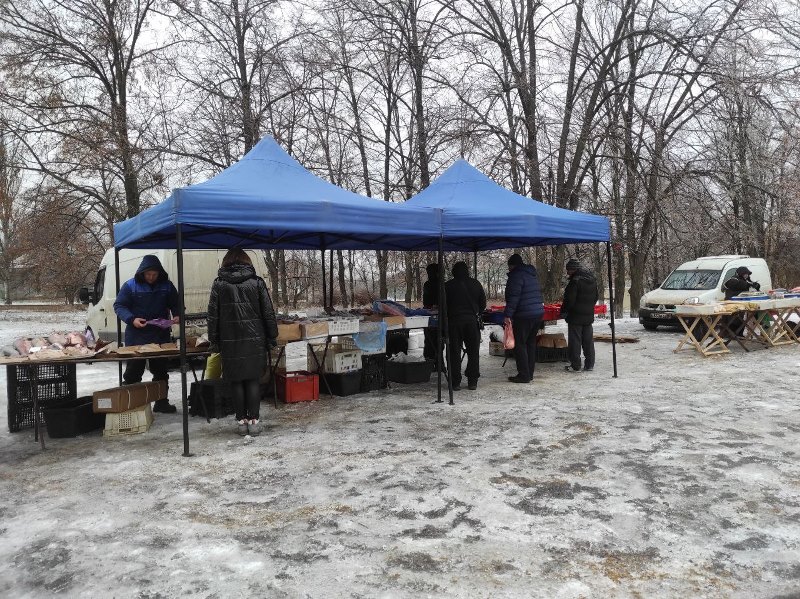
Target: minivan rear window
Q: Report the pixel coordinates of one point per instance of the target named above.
(692, 279)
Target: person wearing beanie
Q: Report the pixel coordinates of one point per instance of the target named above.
(524, 311)
(580, 296)
(148, 296)
(466, 301)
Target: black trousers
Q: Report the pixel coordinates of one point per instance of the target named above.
(580, 337)
(134, 370)
(525, 331)
(464, 332)
(431, 341)
(246, 398)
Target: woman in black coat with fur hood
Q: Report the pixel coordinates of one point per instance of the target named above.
(242, 328)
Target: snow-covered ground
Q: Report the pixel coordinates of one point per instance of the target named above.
(680, 478)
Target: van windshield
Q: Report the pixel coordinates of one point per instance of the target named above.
(692, 279)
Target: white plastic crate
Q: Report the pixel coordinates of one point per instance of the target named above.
(129, 423)
(343, 326)
(416, 322)
(338, 360)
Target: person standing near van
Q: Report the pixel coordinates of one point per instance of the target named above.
(149, 295)
(580, 296)
(739, 283)
(466, 300)
(242, 328)
(524, 310)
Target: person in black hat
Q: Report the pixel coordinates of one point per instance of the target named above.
(739, 283)
(580, 296)
(466, 301)
(524, 310)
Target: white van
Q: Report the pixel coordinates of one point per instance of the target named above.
(199, 271)
(699, 281)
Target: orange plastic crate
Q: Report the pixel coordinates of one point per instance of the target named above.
(298, 385)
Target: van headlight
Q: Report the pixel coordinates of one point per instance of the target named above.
(692, 300)
(643, 301)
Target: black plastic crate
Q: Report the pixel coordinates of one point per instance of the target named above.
(72, 418)
(346, 383)
(409, 372)
(551, 354)
(216, 395)
(373, 372)
(56, 384)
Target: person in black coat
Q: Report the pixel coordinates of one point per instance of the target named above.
(242, 328)
(580, 296)
(430, 300)
(466, 300)
(739, 283)
(524, 311)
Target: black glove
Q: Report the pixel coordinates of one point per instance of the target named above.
(756, 286)
(272, 343)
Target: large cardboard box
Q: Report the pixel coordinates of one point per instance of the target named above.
(128, 397)
(289, 332)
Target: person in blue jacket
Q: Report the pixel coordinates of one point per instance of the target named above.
(524, 311)
(147, 296)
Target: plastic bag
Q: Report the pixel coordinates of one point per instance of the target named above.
(508, 336)
(214, 367)
(372, 337)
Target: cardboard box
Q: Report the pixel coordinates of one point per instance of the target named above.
(128, 397)
(392, 322)
(496, 348)
(552, 340)
(289, 332)
(314, 329)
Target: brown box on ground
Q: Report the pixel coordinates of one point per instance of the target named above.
(127, 397)
(496, 348)
(552, 340)
(314, 329)
(289, 332)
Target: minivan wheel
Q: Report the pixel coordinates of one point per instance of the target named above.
(650, 327)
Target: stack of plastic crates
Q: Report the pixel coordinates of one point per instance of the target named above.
(55, 384)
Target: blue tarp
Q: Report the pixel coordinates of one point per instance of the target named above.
(268, 200)
(479, 214)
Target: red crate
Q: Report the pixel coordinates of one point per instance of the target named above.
(299, 385)
(601, 309)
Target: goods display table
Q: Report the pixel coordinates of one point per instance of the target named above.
(709, 328)
(35, 377)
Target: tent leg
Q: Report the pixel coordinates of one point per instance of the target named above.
(440, 328)
(611, 308)
(475, 264)
(182, 341)
(324, 283)
(119, 322)
(330, 279)
(443, 322)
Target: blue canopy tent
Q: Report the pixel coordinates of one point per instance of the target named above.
(268, 200)
(478, 214)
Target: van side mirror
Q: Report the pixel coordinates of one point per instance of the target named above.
(85, 296)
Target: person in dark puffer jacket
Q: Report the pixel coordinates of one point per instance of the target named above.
(524, 310)
(580, 296)
(466, 301)
(242, 328)
(149, 295)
